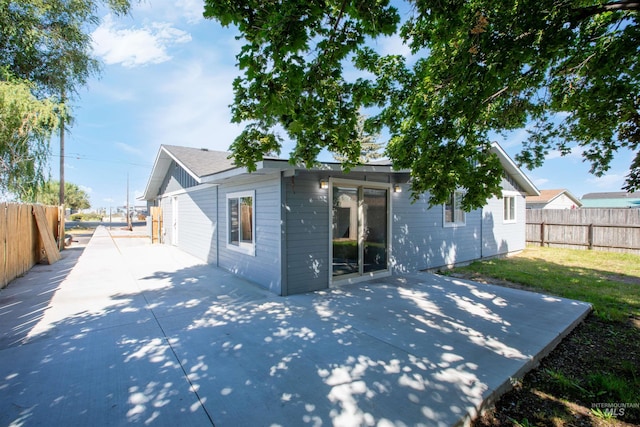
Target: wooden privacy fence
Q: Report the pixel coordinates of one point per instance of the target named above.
(615, 230)
(28, 234)
(156, 224)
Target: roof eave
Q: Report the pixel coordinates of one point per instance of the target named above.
(159, 171)
(511, 168)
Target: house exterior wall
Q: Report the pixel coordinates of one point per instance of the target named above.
(561, 202)
(420, 239)
(307, 222)
(177, 179)
(306, 213)
(197, 224)
(263, 268)
(501, 236)
(292, 227)
(202, 224)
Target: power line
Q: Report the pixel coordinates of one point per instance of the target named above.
(80, 156)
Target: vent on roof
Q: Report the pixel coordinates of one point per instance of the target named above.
(204, 149)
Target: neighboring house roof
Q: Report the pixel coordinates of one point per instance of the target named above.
(548, 196)
(210, 166)
(613, 199)
(611, 195)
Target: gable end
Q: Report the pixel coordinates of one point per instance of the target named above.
(177, 178)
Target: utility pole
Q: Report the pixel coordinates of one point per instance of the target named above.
(61, 209)
(129, 225)
(62, 113)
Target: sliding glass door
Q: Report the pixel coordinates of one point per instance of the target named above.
(360, 218)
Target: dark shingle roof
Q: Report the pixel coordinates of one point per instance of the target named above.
(201, 161)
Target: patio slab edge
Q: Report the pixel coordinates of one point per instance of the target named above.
(495, 395)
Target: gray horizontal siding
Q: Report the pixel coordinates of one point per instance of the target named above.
(307, 234)
(265, 267)
(499, 237)
(420, 240)
(197, 223)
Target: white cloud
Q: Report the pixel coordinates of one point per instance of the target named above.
(191, 9)
(129, 149)
(192, 107)
(513, 139)
(179, 10)
(394, 45)
(540, 182)
(134, 47)
(610, 182)
(111, 92)
(86, 189)
(576, 154)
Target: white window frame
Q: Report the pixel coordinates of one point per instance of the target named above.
(242, 247)
(512, 209)
(456, 222)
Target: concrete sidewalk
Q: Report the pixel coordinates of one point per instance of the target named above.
(126, 332)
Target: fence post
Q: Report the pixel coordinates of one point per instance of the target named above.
(542, 233)
(590, 236)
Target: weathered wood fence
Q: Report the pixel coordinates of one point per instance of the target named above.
(21, 244)
(156, 224)
(616, 230)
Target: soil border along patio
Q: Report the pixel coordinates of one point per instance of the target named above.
(132, 333)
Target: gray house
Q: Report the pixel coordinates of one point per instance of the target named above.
(293, 230)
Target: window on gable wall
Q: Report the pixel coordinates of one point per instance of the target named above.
(241, 222)
(509, 208)
(453, 213)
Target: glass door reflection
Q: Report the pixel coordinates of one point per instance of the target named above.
(345, 228)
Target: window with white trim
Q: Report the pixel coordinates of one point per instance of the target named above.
(241, 222)
(453, 213)
(509, 208)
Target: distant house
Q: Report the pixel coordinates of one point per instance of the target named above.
(553, 199)
(292, 230)
(615, 199)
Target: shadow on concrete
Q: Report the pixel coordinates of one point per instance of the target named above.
(196, 345)
(24, 301)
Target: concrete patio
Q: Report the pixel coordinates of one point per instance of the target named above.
(125, 332)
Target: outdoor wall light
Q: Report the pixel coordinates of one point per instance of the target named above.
(397, 188)
(324, 184)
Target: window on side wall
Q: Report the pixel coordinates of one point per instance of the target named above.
(241, 222)
(453, 213)
(509, 203)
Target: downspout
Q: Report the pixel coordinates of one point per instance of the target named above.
(481, 232)
(284, 282)
(217, 228)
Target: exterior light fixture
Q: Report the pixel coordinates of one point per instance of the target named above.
(397, 188)
(324, 184)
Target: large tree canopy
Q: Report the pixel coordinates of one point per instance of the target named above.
(45, 55)
(565, 69)
(75, 197)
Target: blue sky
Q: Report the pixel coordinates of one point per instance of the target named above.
(167, 79)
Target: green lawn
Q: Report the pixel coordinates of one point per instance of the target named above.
(609, 281)
(598, 361)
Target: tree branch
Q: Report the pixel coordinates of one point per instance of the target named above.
(616, 6)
